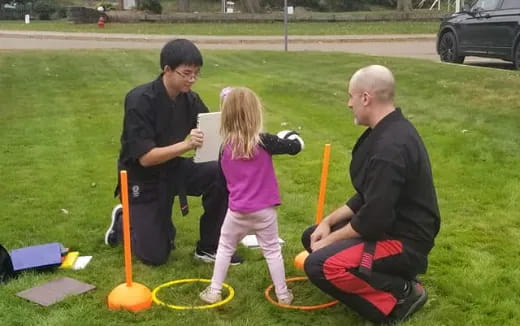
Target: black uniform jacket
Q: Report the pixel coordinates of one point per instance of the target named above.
(391, 173)
(153, 119)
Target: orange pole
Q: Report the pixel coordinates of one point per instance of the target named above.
(126, 227)
(323, 183)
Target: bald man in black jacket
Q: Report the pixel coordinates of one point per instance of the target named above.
(368, 252)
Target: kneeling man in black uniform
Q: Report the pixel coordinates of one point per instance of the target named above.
(160, 125)
(368, 252)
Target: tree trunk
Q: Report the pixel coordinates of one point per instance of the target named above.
(251, 6)
(404, 5)
(183, 5)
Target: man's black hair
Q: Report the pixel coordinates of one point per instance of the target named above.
(180, 52)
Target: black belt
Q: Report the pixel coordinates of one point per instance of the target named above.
(367, 258)
(183, 201)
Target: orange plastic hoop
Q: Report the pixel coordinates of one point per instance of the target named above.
(288, 306)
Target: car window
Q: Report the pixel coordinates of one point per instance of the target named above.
(511, 4)
(486, 4)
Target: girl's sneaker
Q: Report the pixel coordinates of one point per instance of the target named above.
(286, 298)
(210, 295)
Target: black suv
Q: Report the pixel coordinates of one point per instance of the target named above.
(486, 28)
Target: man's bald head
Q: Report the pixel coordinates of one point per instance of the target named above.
(376, 80)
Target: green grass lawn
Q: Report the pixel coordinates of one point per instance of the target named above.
(332, 28)
(59, 139)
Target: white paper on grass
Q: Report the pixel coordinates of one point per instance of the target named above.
(209, 124)
(250, 241)
(81, 262)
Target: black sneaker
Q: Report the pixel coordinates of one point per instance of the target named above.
(209, 257)
(114, 234)
(409, 305)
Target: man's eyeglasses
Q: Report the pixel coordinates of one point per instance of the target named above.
(189, 76)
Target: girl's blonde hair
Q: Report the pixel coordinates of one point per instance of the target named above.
(241, 122)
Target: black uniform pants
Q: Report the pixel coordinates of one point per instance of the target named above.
(335, 269)
(152, 230)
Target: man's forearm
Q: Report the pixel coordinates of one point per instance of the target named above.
(160, 155)
(345, 233)
(342, 213)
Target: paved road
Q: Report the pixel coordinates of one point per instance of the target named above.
(420, 46)
(415, 49)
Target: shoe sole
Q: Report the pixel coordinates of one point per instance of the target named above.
(208, 260)
(209, 301)
(204, 258)
(113, 216)
(417, 305)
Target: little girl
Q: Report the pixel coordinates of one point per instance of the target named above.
(247, 166)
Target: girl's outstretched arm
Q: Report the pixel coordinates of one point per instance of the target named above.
(276, 145)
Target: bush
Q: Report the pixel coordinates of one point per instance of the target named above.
(45, 8)
(62, 12)
(17, 13)
(150, 5)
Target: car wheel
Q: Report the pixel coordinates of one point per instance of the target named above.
(516, 59)
(448, 49)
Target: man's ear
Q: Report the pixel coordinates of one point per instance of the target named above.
(366, 98)
(166, 69)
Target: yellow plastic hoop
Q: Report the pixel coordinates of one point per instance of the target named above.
(191, 280)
